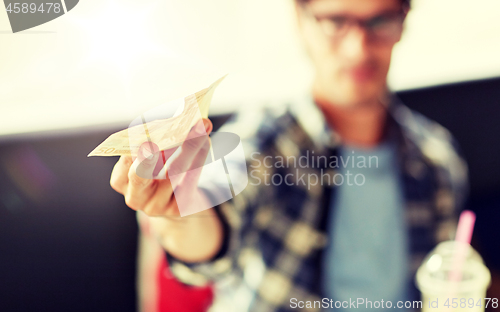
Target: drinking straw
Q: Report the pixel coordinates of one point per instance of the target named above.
(463, 238)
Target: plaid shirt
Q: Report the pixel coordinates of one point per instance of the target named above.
(275, 234)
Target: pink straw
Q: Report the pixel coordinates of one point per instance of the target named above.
(463, 238)
(465, 227)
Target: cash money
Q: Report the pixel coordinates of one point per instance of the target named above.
(166, 133)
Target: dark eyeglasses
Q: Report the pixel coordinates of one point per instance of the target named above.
(384, 28)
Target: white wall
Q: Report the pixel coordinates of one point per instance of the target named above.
(107, 61)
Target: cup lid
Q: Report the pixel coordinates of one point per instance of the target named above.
(433, 275)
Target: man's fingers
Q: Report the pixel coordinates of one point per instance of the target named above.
(119, 176)
(141, 185)
(147, 158)
(202, 127)
(162, 202)
(184, 156)
(135, 178)
(160, 169)
(194, 171)
(180, 158)
(208, 125)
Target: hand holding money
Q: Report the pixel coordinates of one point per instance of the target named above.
(143, 180)
(189, 239)
(159, 156)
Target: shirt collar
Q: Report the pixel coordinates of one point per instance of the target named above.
(312, 120)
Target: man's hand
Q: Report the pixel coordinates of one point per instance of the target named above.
(146, 186)
(134, 178)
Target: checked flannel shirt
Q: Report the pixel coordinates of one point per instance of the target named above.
(275, 234)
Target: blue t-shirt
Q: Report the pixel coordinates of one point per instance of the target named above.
(367, 257)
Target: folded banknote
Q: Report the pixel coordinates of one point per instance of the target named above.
(166, 133)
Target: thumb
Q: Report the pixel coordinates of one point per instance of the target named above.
(208, 125)
(147, 157)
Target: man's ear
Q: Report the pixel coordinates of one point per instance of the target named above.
(406, 9)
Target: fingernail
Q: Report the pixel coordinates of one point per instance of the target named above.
(146, 153)
(200, 129)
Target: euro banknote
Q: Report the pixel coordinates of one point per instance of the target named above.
(166, 133)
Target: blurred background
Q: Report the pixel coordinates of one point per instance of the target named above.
(67, 240)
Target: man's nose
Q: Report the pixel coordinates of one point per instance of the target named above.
(354, 45)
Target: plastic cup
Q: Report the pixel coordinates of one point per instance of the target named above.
(439, 293)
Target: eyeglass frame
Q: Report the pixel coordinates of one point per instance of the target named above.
(399, 17)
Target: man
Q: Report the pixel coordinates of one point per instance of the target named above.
(334, 228)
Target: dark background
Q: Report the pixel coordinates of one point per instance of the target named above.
(68, 242)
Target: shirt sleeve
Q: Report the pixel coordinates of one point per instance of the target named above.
(236, 213)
